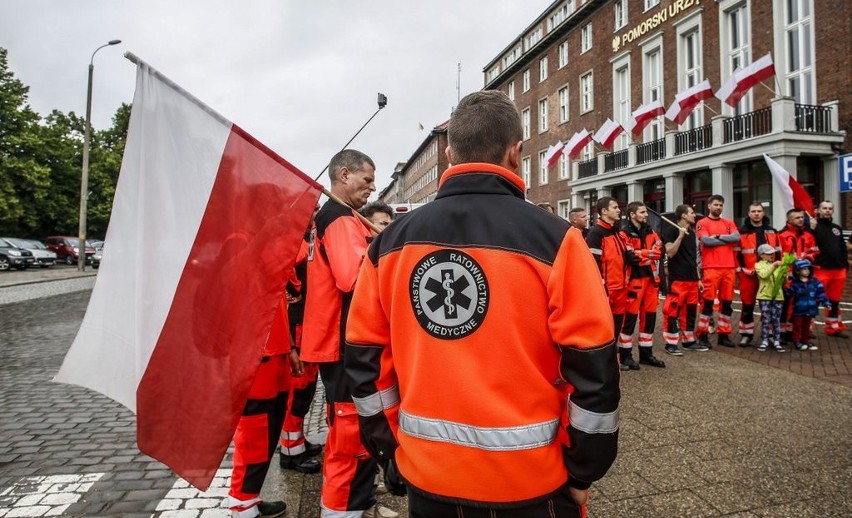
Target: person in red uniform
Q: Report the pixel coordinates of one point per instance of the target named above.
(831, 265)
(263, 415)
(339, 248)
(643, 293)
(755, 231)
(795, 239)
(610, 247)
(490, 323)
(718, 238)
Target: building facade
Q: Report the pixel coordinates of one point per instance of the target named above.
(416, 181)
(581, 62)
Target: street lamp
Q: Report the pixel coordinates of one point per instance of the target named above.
(84, 181)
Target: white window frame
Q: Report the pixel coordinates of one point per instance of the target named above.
(690, 69)
(526, 170)
(652, 83)
(620, 12)
(587, 92)
(563, 96)
(526, 81)
(650, 4)
(543, 175)
(511, 90)
(562, 60)
(542, 69)
(563, 208)
(586, 36)
(543, 122)
(735, 47)
(525, 122)
(589, 151)
(805, 74)
(564, 167)
(621, 98)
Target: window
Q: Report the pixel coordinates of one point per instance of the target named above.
(737, 33)
(525, 122)
(621, 100)
(493, 73)
(542, 167)
(689, 63)
(526, 80)
(800, 52)
(620, 13)
(560, 15)
(563, 54)
(653, 86)
(651, 3)
(563, 208)
(563, 104)
(589, 151)
(586, 93)
(512, 90)
(513, 56)
(564, 171)
(542, 69)
(542, 115)
(525, 170)
(586, 38)
(533, 38)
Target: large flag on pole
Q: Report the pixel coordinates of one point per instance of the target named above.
(643, 115)
(793, 195)
(205, 228)
(743, 79)
(577, 141)
(606, 134)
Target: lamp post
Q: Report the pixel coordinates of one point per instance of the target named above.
(84, 180)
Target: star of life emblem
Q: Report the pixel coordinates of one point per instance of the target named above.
(449, 294)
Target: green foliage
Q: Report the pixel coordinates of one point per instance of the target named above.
(41, 163)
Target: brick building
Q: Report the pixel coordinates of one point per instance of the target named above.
(583, 61)
(416, 181)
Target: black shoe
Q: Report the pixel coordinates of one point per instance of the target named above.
(275, 508)
(725, 340)
(629, 364)
(651, 360)
(692, 346)
(311, 449)
(745, 340)
(300, 463)
(703, 341)
(674, 350)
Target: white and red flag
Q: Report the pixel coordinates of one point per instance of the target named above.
(205, 228)
(577, 141)
(743, 79)
(793, 195)
(686, 101)
(553, 153)
(643, 115)
(606, 134)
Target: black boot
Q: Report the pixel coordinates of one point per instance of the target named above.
(704, 341)
(724, 340)
(311, 449)
(300, 463)
(646, 356)
(627, 362)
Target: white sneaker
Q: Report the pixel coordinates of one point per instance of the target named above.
(380, 511)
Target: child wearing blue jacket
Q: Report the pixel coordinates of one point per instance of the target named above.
(806, 293)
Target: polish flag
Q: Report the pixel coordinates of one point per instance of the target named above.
(728, 93)
(695, 94)
(576, 143)
(606, 135)
(553, 153)
(743, 79)
(643, 115)
(793, 195)
(205, 228)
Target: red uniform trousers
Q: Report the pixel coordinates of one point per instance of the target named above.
(748, 296)
(618, 306)
(833, 281)
(302, 390)
(642, 298)
(348, 471)
(257, 432)
(718, 282)
(679, 310)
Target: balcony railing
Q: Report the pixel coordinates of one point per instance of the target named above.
(748, 125)
(693, 140)
(815, 119)
(616, 161)
(650, 151)
(587, 168)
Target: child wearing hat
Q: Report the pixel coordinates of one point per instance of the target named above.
(770, 297)
(806, 294)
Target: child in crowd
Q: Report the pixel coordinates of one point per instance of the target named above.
(770, 297)
(806, 293)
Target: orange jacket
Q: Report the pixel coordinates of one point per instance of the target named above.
(752, 237)
(610, 246)
(798, 241)
(339, 247)
(647, 250)
(490, 322)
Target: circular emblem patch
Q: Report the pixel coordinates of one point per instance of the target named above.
(449, 294)
(836, 231)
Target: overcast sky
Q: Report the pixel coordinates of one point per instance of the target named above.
(301, 76)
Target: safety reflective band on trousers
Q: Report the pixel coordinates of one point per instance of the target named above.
(374, 403)
(593, 422)
(486, 438)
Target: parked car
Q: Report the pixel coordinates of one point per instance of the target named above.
(66, 248)
(97, 244)
(14, 257)
(43, 256)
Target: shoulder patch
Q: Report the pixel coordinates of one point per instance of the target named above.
(449, 294)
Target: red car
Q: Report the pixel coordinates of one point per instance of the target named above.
(66, 248)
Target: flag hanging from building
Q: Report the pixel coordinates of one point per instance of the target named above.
(793, 195)
(553, 153)
(577, 141)
(606, 135)
(685, 102)
(643, 115)
(741, 81)
(205, 228)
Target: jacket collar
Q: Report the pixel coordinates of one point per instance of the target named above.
(478, 177)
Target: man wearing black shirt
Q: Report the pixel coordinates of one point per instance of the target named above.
(831, 265)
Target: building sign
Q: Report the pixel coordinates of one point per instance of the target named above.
(676, 8)
(845, 162)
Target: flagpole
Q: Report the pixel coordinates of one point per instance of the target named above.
(705, 105)
(383, 101)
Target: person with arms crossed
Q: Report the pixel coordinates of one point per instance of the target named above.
(490, 322)
(755, 231)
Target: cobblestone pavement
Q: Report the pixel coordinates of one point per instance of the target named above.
(730, 433)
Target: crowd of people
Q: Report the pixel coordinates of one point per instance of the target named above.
(414, 326)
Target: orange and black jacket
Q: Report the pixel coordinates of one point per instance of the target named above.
(610, 248)
(752, 237)
(798, 241)
(493, 312)
(647, 250)
(339, 248)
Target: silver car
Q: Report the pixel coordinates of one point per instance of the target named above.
(44, 257)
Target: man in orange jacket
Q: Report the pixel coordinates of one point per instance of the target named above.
(795, 239)
(755, 231)
(481, 351)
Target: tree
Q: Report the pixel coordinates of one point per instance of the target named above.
(106, 154)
